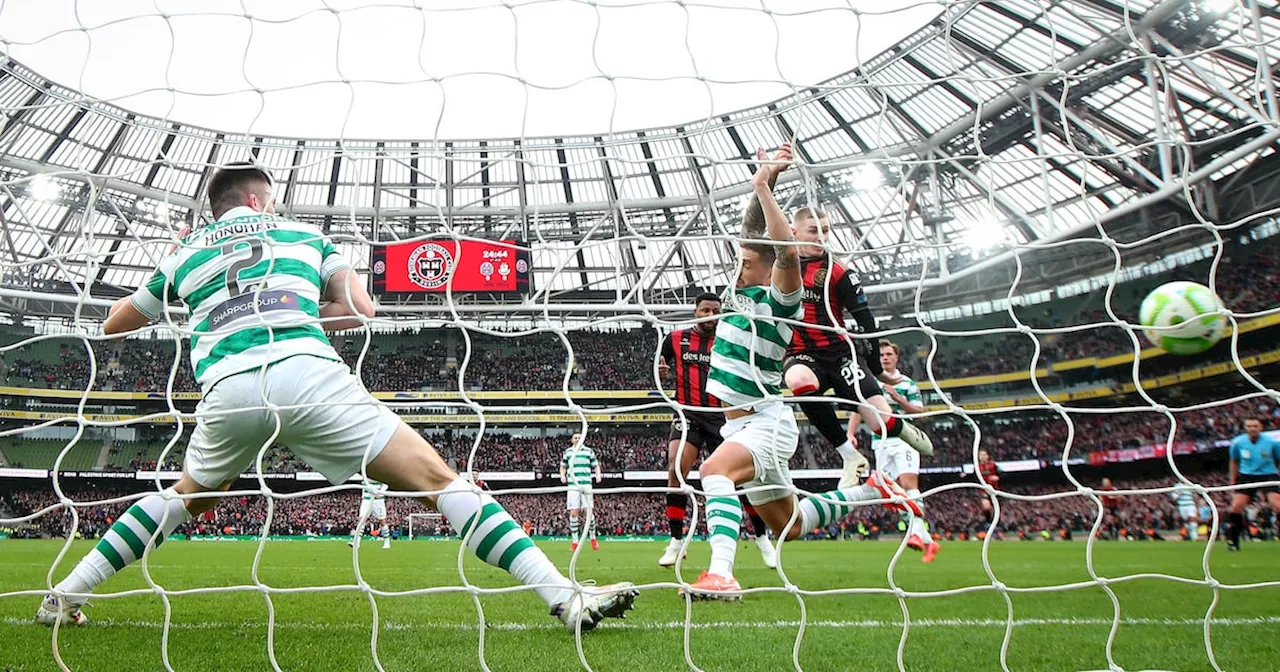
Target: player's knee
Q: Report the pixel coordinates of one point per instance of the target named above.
(800, 377)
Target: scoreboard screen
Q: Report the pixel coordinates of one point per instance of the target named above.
(430, 266)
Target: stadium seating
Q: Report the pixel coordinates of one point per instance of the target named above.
(41, 453)
(623, 360)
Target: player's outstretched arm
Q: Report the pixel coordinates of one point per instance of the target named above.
(786, 267)
(753, 219)
(124, 317)
(347, 298)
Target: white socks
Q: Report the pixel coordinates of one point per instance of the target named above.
(724, 519)
(499, 541)
(152, 517)
(917, 522)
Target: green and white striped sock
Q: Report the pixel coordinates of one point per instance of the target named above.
(125, 541)
(574, 528)
(724, 519)
(815, 513)
(499, 541)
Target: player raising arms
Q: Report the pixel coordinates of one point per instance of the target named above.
(760, 433)
(894, 457)
(373, 505)
(1253, 460)
(689, 350)
(819, 360)
(257, 287)
(577, 467)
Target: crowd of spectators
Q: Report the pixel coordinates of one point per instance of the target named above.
(961, 510)
(1039, 435)
(618, 360)
(1043, 435)
(954, 511)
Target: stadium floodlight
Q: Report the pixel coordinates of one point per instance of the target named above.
(983, 232)
(43, 188)
(867, 177)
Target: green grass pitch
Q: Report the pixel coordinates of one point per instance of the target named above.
(1161, 620)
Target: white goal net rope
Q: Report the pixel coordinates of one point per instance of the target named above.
(1059, 223)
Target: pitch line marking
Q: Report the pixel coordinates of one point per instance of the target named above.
(393, 626)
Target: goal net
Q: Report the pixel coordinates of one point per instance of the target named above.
(538, 192)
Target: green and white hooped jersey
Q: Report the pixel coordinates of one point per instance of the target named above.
(252, 282)
(746, 358)
(910, 391)
(579, 464)
(373, 491)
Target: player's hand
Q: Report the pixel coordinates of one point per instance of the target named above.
(663, 370)
(186, 231)
(767, 173)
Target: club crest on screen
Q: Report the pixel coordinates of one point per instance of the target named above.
(429, 265)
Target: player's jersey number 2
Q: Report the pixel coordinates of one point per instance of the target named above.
(241, 265)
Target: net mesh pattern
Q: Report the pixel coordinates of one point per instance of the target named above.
(1058, 189)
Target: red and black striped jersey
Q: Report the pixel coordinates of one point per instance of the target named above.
(688, 353)
(989, 471)
(1109, 501)
(830, 289)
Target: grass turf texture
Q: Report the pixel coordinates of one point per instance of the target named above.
(331, 631)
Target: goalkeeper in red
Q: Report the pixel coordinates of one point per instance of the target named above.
(760, 433)
(260, 290)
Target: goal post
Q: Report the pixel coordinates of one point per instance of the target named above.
(430, 525)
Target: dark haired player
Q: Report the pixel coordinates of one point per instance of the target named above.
(257, 286)
(687, 353)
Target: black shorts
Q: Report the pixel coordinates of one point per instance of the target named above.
(704, 430)
(1246, 479)
(837, 370)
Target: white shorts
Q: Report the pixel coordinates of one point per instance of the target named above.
(1188, 512)
(335, 427)
(895, 458)
(577, 499)
(375, 509)
(771, 436)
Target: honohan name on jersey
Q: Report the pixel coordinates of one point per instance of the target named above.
(253, 283)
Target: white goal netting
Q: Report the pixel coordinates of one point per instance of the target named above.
(1001, 176)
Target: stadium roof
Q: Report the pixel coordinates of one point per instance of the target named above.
(996, 124)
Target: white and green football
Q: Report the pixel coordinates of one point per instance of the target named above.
(1187, 310)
